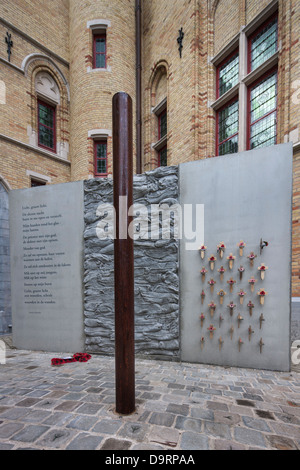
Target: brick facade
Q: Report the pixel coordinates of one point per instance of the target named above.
(185, 86)
(39, 45)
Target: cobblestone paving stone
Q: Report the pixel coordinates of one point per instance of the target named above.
(179, 406)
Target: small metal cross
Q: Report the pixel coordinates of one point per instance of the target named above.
(9, 43)
(179, 40)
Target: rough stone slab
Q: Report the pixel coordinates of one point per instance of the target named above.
(7, 430)
(281, 442)
(162, 419)
(193, 441)
(84, 423)
(30, 433)
(107, 426)
(85, 441)
(134, 431)
(258, 424)
(56, 438)
(219, 430)
(189, 424)
(116, 444)
(168, 437)
(249, 437)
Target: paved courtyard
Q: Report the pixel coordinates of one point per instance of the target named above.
(179, 406)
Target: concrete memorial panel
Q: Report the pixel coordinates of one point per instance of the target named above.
(5, 297)
(46, 227)
(247, 197)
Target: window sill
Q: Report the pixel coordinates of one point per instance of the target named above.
(34, 148)
(160, 144)
(261, 18)
(227, 50)
(216, 105)
(160, 107)
(261, 70)
(92, 70)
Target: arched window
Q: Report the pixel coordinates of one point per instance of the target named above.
(48, 98)
(159, 111)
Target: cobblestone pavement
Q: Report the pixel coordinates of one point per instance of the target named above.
(180, 406)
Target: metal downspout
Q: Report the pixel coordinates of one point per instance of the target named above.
(138, 17)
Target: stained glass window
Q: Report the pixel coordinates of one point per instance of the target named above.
(228, 74)
(228, 126)
(162, 134)
(263, 112)
(100, 51)
(101, 158)
(46, 125)
(162, 124)
(163, 157)
(263, 44)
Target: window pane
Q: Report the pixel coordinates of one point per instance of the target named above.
(101, 166)
(263, 98)
(263, 132)
(163, 125)
(101, 150)
(230, 146)
(264, 44)
(46, 126)
(228, 74)
(228, 121)
(46, 115)
(46, 136)
(100, 61)
(100, 52)
(163, 157)
(101, 160)
(100, 44)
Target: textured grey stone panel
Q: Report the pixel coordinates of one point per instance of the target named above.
(156, 272)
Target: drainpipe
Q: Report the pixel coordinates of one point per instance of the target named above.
(138, 17)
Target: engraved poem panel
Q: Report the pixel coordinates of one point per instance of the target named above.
(47, 245)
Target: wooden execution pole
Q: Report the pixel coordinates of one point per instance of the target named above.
(123, 254)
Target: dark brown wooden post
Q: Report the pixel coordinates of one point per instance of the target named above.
(123, 254)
